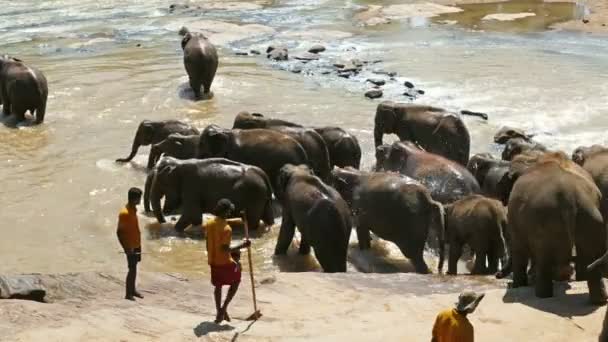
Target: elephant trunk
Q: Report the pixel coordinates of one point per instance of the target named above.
(134, 149)
(147, 187)
(156, 195)
(438, 222)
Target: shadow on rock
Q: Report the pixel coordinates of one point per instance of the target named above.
(208, 327)
(561, 304)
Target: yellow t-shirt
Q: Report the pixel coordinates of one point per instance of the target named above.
(128, 228)
(219, 233)
(450, 326)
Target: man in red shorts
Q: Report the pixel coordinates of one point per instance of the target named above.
(224, 270)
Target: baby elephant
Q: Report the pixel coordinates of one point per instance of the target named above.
(200, 61)
(22, 88)
(319, 212)
(479, 222)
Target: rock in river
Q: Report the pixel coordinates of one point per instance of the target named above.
(373, 94)
(376, 81)
(316, 48)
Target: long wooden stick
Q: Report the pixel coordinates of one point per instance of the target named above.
(256, 314)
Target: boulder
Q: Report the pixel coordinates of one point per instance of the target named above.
(316, 48)
(373, 94)
(27, 287)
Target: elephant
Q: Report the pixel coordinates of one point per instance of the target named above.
(177, 146)
(343, 147)
(547, 221)
(264, 148)
(594, 160)
(479, 222)
(199, 184)
(517, 146)
(22, 88)
(434, 129)
(507, 133)
(393, 206)
(320, 213)
(489, 172)
(200, 61)
(153, 132)
(447, 180)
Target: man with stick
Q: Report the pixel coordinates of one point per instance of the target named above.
(224, 269)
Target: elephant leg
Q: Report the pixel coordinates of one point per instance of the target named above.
(492, 262)
(453, 257)
(19, 113)
(253, 219)
(365, 240)
(304, 247)
(416, 257)
(543, 285)
(40, 112)
(519, 265)
(196, 88)
(288, 229)
(154, 155)
(6, 108)
(480, 263)
(597, 289)
(182, 224)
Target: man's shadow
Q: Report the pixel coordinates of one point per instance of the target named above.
(208, 327)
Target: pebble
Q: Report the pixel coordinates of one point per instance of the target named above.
(316, 48)
(373, 94)
(408, 84)
(376, 81)
(255, 52)
(307, 57)
(240, 53)
(297, 69)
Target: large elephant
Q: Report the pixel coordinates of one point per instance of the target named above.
(489, 172)
(547, 221)
(447, 180)
(434, 129)
(200, 61)
(321, 215)
(478, 222)
(343, 147)
(22, 88)
(264, 148)
(594, 159)
(153, 132)
(517, 146)
(393, 206)
(198, 184)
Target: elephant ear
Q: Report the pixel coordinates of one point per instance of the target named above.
(217, 140)
(186, 39)
(146, 132)
(283, 178)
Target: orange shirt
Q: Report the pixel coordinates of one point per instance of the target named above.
(450, 326)
(219, 234)
(128, 228)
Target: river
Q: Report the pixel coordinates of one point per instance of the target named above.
(111, 64)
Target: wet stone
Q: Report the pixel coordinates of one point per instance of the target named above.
(277, 54)
(373, 94)
(255, 52)
(421, 92)
(409, 84)
(307, 57)
(376, 81)
(241, 53)
(316, 48)
(297, 69)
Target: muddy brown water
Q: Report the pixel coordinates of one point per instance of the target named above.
(111, 64)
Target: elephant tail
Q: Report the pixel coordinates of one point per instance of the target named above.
(268, 215)
(438, 222)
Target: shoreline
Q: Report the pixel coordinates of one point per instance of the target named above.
(295, 306)
(596, 21)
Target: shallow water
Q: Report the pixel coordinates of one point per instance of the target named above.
(111, 64)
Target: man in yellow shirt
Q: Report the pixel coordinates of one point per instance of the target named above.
(452, 325)
(224, 270)
(130, 240)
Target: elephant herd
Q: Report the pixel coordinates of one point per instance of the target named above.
(531, 213)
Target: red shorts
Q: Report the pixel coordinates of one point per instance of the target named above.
(228, 274)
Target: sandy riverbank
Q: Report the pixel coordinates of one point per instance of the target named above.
(296, 307)
(594, 22)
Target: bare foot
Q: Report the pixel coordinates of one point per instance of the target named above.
(226, 317)
(219, 317)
